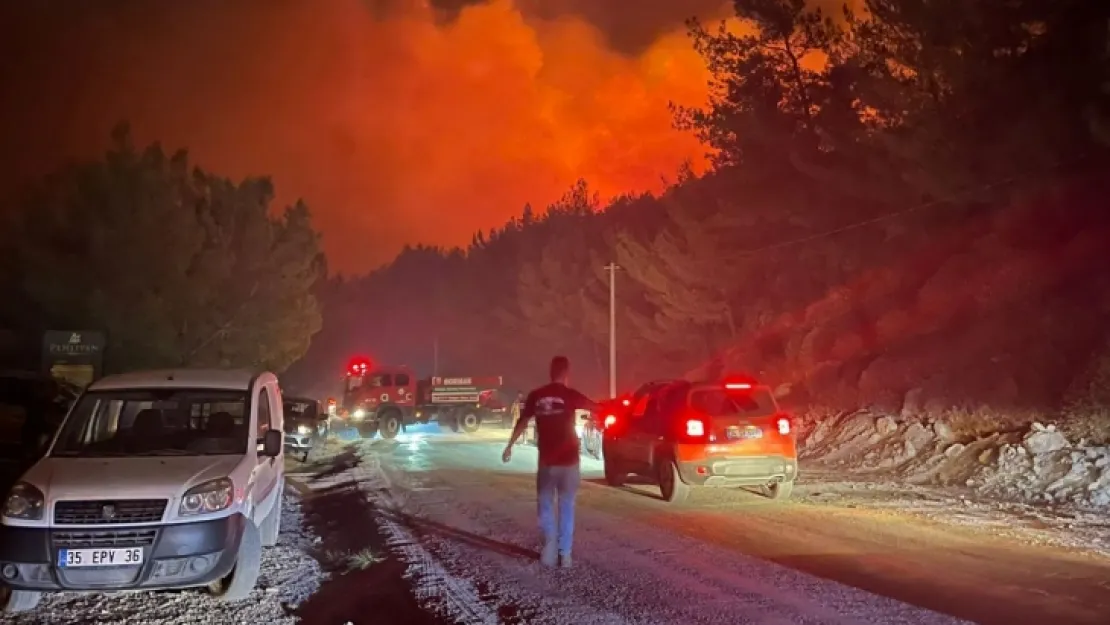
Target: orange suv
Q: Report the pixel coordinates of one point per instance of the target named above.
(683, 434)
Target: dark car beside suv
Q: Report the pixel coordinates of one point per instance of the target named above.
(306, 425)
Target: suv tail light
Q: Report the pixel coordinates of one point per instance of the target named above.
(783, 425)
(695, 427)
(610, 420)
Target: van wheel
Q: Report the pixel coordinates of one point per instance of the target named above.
(470, 423)
(271, 525)
(390, 425)
(239, 583)
(12, 601)
(778, 490)
(671, 486)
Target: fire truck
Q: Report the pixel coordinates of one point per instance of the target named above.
(386, 398)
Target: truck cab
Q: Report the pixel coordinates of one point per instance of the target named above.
(380, 399)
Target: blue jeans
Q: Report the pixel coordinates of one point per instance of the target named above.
(557, 483)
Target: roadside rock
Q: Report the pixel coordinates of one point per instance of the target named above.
(944, 432)
(918, 436)
(913, 405)
(885, 426)
(1044, 441)
(820, 432)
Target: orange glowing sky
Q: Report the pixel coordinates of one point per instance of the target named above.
(396, 127)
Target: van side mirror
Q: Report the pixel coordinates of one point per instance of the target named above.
(272, 442)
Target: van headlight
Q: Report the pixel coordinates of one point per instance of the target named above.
(304, 429)
(211, 496)
(24, 502)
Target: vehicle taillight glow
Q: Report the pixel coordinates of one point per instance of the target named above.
(610, 420)
(695, 427)
(738, 386)
(784, 426)
(626, 402)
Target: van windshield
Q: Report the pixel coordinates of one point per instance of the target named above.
(155, 422)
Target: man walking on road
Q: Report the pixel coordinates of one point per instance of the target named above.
(553, 407)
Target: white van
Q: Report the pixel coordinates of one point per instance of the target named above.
(163, 479)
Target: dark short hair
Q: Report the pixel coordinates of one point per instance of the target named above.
(560, 365)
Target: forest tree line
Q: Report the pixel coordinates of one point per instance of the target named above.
(906, 200)
(176, 265)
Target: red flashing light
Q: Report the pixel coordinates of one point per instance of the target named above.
(358, 366)
(610, 420)
(784, 425)
(695, 427)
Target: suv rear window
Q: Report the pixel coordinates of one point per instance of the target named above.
(757, 402)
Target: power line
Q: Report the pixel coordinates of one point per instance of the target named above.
(927, 205)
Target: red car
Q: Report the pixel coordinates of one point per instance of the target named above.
(685, 435)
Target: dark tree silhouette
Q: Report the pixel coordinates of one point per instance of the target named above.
(178, 266)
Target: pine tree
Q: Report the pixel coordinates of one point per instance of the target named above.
(180, 267)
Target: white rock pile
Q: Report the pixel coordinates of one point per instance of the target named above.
(1036, 466)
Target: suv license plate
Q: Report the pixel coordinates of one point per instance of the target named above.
(748, 433)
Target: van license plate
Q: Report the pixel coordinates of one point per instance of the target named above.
(737, 433)
(74, 558)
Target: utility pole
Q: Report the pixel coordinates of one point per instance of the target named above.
(612, 268)
(435, 356)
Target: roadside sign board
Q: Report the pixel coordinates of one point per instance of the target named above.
(76, 356)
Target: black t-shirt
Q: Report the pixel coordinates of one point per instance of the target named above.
(553, 406)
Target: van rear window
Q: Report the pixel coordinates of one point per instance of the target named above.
(757, 402)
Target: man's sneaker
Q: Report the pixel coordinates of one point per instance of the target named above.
(564, 560)
(550, 554)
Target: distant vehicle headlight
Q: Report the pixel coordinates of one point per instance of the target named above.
(358, 414)
(304, 429)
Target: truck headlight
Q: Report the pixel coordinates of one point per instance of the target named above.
(211, 496)
(358, 414)
(304, 429)
(24, 502)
